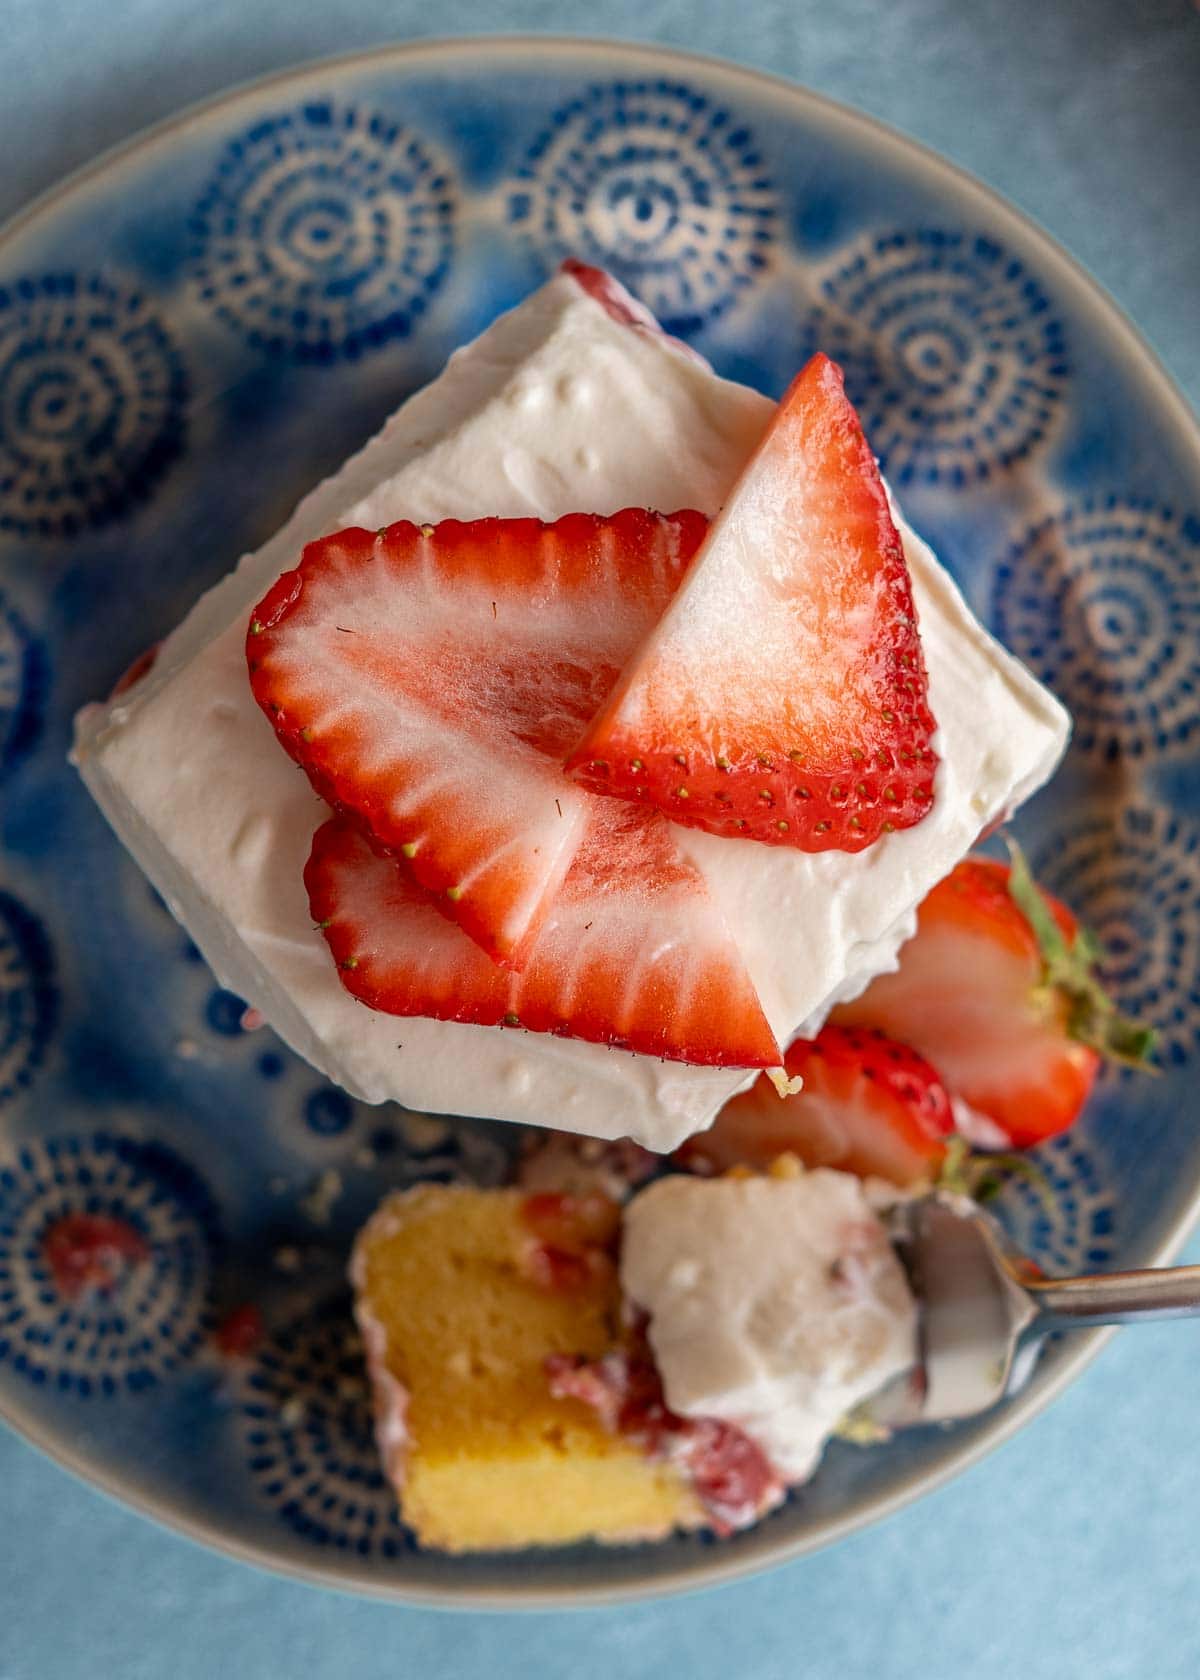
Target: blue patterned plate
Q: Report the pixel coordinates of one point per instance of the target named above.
(200, 327)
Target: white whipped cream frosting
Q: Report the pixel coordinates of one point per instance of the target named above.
(777, 1305)
(557, 407)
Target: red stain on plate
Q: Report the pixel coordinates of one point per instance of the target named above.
(91, 1252)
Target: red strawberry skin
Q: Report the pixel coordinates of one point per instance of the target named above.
(969, 995)
(869, 1105)
(632, 952)
(430, 679)
(782, 697)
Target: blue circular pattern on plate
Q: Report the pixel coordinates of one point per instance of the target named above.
(324, 232)
(408, 197)
(1103, 601)
(310, 1440)
(28, 995)
(92, 402)
(23, 681)
(952, 352)
(224, 1012)
(1133, 878)
(659, 185)
(155, 1316)
(328, 1111)
(1064, 1215)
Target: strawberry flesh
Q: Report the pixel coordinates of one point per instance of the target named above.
(730, 1474)
(869, 1105)
(571, 1241)
(430, 679)
(782, 696)
(632, 953)
(969, 994)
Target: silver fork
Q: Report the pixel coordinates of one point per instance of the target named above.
(985, 1309)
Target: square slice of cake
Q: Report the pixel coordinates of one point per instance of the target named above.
(563, 405)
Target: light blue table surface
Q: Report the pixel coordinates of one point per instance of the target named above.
(1073, 1551)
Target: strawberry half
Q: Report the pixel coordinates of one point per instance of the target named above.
(632, 952)
(868, 1106)
(997, 989)
(782, 697)
(430, 679)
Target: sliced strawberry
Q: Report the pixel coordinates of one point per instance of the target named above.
(869, 1105)
(783, 696)
(632, 952)
(430, 679)
(997, 990)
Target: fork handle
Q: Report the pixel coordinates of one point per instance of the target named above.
(1116, 1297)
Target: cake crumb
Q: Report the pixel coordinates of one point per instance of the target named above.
(322, 1197)
(292, 1412)
(423, 1131)
(287, 1259)
(187, 1049)
(581, 1166)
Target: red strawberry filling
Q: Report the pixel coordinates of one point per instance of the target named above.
(732, 1477)
(622, 305)
(135, 671)
(572, 1240)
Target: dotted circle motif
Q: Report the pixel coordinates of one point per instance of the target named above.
(310, 1441)
(653, 182)
(92, 403)
(1134, 880)
(951, 350)
(223, 1013)
(157, 1313)
(1065, 1222)
(1103, 600)
(328, 1111)
(28, 995)
(23, 681)
(324, 232)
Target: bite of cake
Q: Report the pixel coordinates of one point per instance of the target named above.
(547, 1368)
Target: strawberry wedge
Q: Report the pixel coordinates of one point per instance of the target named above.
(998, 988)
(430, 679)
(868, 1105)
(632, 953)
(782, 697)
